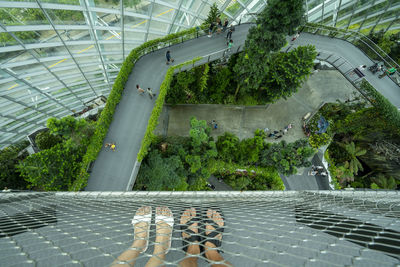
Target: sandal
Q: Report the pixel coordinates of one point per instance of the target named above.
(193, 236)
(143, 218)
(168, 220)
(210, 237)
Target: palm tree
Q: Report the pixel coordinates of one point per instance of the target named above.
(354, 164)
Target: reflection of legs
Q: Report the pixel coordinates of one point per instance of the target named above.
(192, 249)
(212, 253)
(163, 238)
(128, 257)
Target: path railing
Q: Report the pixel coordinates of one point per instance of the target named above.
(372, 50)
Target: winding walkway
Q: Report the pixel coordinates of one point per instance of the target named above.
(113, 171)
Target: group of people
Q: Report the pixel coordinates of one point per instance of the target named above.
(149, 91)
(278, 134)
(111, 146)
(217, 26)
(201, 232)
(317, 170)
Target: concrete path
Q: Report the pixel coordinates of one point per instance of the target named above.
(219, 186)
(306, 182)
(112, 171)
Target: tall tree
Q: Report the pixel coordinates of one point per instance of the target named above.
(354, 165)
(159, 173)
(202, 149)
(277, 20)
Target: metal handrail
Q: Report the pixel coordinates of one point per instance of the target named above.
(382, 54)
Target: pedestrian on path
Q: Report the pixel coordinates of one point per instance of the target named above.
(230, 31)
(150, 92)
(210, 29)
(225, 25)
(168, 56)
(295, 36)
(112, 147)
(230, 44)
(219, 25)
(139, 90)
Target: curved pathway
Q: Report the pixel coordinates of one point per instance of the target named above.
(112, 171)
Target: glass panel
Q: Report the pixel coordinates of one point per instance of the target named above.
(68, 2)
(110, 3)
(137, 6)
(75, 35)
(160, 26)
(22, 16)
(134, 23)
(6, 40)
(233, 8)
(108, 19)
(64, 16)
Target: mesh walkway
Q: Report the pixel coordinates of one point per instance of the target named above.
(261, 228)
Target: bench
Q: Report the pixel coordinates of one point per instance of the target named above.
(358, 73)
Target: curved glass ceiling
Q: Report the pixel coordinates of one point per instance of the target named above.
(58, 55)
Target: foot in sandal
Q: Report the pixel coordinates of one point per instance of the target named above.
(214, 223)
(190, 232)
(164, 225)
(141, 224)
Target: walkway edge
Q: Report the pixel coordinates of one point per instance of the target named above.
(134, 173)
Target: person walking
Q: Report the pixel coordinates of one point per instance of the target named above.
(225, 25)
(219, 25)
(295, 36)
(168, 56)
(210, 29)
(230, 44)
(150, 92)
(139, 90)
(230, 31)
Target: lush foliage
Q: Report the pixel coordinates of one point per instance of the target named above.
(286, 157)
(382, 104)
(213, 14)
(9, 158)
(317, 140)
(52, 169)
(248, 178)
(159, 173)
(177, 163)
(215, 83)
(276, 21)
(365, 148)
(46, 140)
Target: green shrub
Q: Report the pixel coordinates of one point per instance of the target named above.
(318, 140)
(46, 140)
(250, 178)
(381, 103)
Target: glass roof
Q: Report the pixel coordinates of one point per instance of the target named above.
(56, 55)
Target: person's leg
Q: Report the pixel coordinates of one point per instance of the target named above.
(211, 252)
(163, 237)
(193, 250)
(128, 257)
